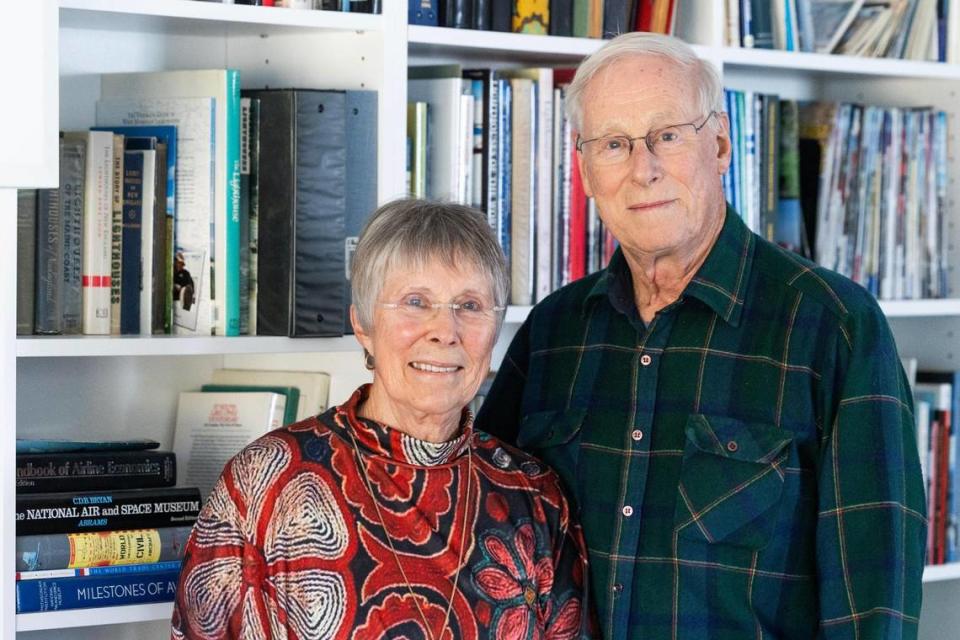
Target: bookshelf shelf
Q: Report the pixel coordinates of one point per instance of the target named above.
(91, 617)
(940, 572)
(516, 47)
(86, 346)
(159, 14)
(793, 61)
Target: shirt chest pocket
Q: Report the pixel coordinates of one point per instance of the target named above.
(554, 438)
(731, 480)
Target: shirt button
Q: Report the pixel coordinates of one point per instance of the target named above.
(637, 435)
(645, 360)
(732, 446)
(627, 511)
(617, 589)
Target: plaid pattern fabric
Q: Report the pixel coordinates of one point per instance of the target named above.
(745, 466)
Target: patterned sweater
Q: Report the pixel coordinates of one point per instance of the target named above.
(290, 544)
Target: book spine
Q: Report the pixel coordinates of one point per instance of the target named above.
(162, 298)
(39, 513)
(53, 594)
(104, 548)
(113, 570)
(97, 221)
(531, 16)
(39, 473)
(71, 219)
(26, 258)
(132, 242)
(254, 213)
(244, 216)
(231, 303)
(48, 299)
(116, 234)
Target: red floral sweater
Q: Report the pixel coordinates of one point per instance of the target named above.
(290, 545)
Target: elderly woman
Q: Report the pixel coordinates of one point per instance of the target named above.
(390, 516)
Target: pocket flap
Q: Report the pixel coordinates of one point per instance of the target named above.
(544, 429)
(736, 439)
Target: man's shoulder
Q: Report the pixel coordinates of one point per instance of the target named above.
(569, 301)
(835, 293)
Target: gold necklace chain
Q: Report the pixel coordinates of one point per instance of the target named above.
(393, 550)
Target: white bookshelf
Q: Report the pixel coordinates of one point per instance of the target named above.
(131, 383)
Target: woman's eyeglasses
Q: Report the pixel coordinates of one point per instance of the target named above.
(419, 308)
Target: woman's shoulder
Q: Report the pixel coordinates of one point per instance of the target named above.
(511, 461)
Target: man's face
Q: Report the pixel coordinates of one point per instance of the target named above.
(654, 205)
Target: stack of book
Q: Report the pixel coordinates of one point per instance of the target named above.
(907, 29)
(578, 18)
(868, 183)
(164, 222)
(235, 408)
(98, 524)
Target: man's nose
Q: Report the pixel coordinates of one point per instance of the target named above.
(645, 166)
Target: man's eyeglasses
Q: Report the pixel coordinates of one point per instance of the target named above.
(469, 312)
(662, 142)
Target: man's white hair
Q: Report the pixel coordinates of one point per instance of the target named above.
(704, 76)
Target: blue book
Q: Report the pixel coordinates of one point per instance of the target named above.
(132, 242)
(109, 570)
(54, 594)
(422, 12)
(46, 445)
(505, 165)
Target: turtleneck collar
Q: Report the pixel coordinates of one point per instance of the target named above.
(375, 438)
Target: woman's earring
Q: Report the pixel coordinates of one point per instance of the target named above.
(368, 360)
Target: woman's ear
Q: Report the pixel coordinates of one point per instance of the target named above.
(362, 336)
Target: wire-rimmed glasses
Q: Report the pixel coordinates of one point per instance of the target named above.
(661, 142)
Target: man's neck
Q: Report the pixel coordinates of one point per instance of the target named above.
(660, 279)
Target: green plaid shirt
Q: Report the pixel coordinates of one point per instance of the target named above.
(745, 466)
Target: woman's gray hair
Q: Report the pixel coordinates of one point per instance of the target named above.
(704, 75)
(411, 233)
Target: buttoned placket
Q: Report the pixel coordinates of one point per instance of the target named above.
(651, 342)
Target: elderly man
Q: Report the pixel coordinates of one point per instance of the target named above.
(731, 420)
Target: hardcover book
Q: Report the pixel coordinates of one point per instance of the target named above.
(212, 427)
(94, 470)
(26, 258)
(74, 550)
(314, 386)
(80, 511)
(55, 594)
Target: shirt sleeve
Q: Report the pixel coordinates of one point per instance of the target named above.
(871, 530)
(208, 601)
(501, 411)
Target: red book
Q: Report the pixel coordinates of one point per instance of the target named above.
(578, 220)
(644, 14)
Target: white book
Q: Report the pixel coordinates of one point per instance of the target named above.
(222, 86)
(445, 134)
(193, 117)
(466, 150)
(314, 385)
(97, 231)
(212, 427)
(543, 212)
(522, 200)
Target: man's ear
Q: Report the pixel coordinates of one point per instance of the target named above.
(362, 336)
(724, 146)
(584, 175)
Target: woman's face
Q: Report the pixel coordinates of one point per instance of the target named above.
(429, 362)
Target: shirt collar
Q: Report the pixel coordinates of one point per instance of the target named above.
(719, 283)
(375, 438)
